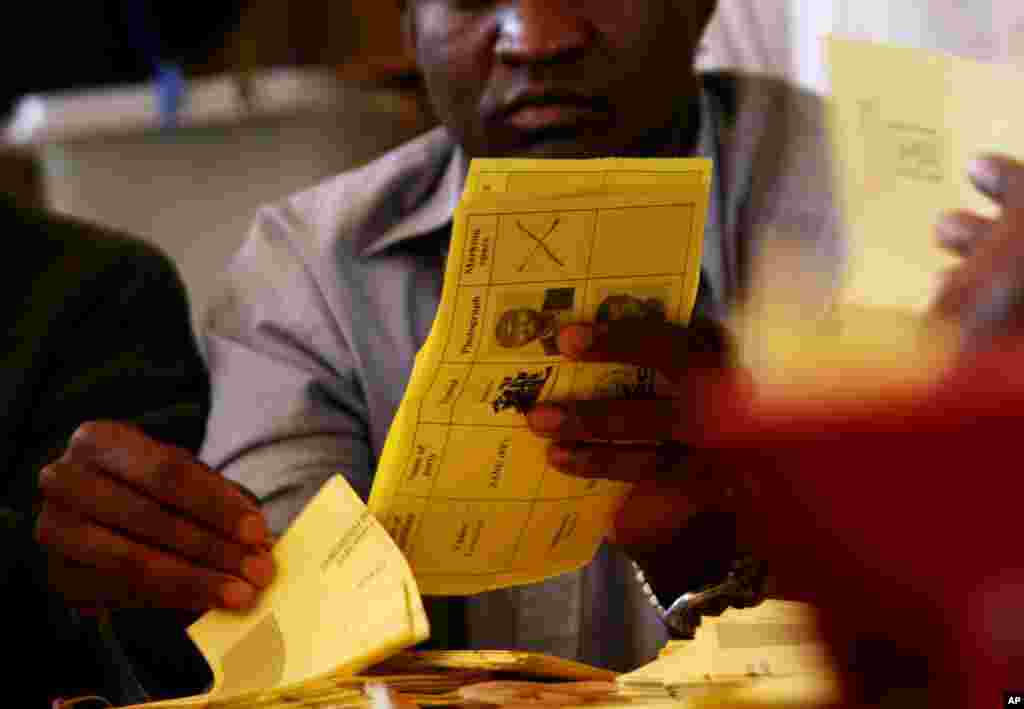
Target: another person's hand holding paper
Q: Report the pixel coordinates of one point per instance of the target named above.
(131, 521)
(986, 292)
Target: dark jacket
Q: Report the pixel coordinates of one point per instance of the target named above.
(96, 327)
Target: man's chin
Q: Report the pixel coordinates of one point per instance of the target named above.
(563, 143)
(566, 149)
(570, 144)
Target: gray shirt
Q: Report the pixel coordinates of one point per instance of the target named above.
(312, 342)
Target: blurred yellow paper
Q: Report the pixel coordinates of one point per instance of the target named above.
(797, 344)
(767, 656)
(905, 124)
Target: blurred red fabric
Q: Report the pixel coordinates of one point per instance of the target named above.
(897, 514)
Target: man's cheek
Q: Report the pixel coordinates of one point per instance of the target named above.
(455, 85)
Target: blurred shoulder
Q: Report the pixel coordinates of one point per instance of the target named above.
(353, 210)
(776, 155)
(771, 103)
(76, 252)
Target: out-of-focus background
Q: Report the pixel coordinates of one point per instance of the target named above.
(783, 36)
(174, 123)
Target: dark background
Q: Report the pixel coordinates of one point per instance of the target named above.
(54, 46)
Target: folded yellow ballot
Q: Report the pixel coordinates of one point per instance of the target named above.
(342, 607)
(344, 598)
(463, 485)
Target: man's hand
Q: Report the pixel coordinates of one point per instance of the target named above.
(681, 498)
(588, 435)
(129, 521)
(986, 292)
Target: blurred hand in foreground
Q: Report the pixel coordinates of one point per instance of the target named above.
(895, 514)
(985, 293)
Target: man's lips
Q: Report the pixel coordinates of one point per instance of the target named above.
(538, 113)
(553, 115)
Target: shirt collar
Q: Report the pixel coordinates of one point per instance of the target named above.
(430, 180)
(713, 258)
(424, 195)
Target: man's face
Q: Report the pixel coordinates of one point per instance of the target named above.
(558, 78)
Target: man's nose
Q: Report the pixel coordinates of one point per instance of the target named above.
(538, 31)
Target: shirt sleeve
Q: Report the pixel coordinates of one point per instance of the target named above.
(287, 409)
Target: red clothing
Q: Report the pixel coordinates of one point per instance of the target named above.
(898, 516)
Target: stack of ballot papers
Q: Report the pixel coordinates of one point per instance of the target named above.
(334, 626)
(770, 655)
(344, 602)
(336, 622)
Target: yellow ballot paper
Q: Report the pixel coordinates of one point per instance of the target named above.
(344, 598)
(553, 177)
(905, 124)
(463, 485)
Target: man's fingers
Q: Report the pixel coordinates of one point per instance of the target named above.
(960, 231)
(985, 293)
(636, 420)
(155, 576)
(664, 346)
(999, 177)
(169, 475)
(114, 505)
